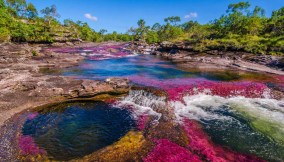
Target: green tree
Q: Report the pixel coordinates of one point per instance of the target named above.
(31, 11)
(102, 31)
(240, 7)
(156, 27)
(152, 37)
(254, 24)
(2, 4)
(169, 32)
(142, 29)
(173, 20)
(17, 7)
(188, 25)
(86, 33)
(50, 13)
(276, 22)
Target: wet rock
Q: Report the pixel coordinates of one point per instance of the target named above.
(46, 92)
(174, 51)
(167, 44)
(23, 81)
(277, 63)
(112, 50)
(26, 86)
(118, 82)
(89, 85)
(167, 130)
(132, 147)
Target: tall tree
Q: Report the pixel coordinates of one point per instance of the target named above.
(31, 11)
(50, 13)
(17, 7)
(156, 27)
(142, 29)
(102, 31)
(276, 22)
(172, 20)
(240, 7)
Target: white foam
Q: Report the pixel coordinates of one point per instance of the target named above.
(202, 107)
(143, 103)
(194, 107)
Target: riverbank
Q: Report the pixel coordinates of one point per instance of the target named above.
(24, 82)
(186, 58)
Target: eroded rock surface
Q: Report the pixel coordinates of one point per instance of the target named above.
(24, 82)
(184, 55)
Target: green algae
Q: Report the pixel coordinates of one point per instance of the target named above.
(269, 127)
(273, 130)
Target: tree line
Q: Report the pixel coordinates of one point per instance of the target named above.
(242, 27)
(20, 22)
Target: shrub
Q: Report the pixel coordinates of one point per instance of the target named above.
(4, 35)
(34, 53)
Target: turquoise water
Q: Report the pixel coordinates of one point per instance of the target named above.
(146, 66)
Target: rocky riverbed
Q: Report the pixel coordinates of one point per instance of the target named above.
(184, 55)
(24, 82)
(172, 108)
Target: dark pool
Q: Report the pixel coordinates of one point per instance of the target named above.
(73, 130)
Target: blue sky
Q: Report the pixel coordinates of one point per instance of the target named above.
(120, 15)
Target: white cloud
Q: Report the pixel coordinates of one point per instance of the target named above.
(89, 16)
(191, 15)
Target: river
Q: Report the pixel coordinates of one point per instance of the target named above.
(226, 115)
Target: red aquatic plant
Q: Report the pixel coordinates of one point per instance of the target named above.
(201, 144)
(177, 88)
(223, 89)
(29, 147)
(142, 121)
(166, 151)
(100, 52)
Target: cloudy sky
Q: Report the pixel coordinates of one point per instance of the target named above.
(120, 15)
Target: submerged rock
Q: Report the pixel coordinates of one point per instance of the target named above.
(132, 147)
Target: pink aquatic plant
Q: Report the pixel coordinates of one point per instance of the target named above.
(142, 121)
(29, 147)
(32, 115)
(177, 88)
(166, 151)
(100, 52)
(223, 89)
(201, 144)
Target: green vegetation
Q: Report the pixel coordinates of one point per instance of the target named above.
(34, 53)
(241, 28)
(19, 22)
